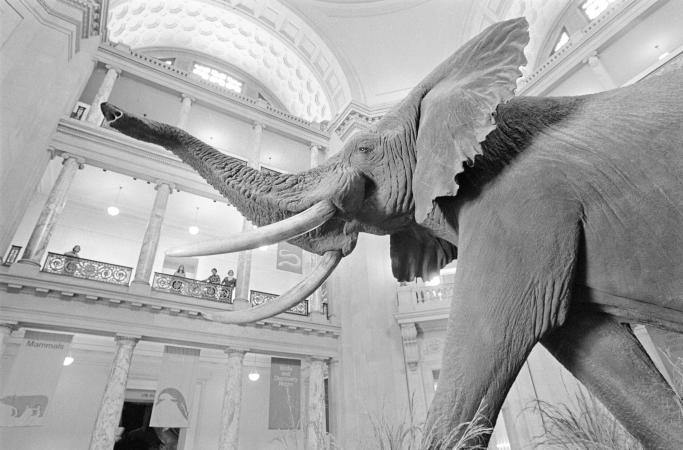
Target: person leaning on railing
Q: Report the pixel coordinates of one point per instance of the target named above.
(214, 278)
(73, 253)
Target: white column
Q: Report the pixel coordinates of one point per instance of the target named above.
(109, 414)
(316, 434)
(413, 373)
(600, 71)
(185, 107)
(244, 258)
(232, 401)
(150, 242)
(6, 329)
(54, 205)
(95, 113)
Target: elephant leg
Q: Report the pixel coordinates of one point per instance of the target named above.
(608, 359)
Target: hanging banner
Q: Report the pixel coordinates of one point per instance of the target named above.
(175, 388)
(289, 258)
(32, 380)
(285, 394)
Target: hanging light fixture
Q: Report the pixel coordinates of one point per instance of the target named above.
(194, 229)
(68, 360)
(254, 375)
(114, 210)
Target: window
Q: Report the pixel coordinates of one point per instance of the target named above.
(217, 77)
(561, 41)
(593, 8)
(167, 61)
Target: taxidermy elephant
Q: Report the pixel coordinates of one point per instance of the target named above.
(566, 215)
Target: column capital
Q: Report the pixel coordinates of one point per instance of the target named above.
(127, 339)
(592, 59)
(9, 326)
(257, 124)
(235, 350)
(187, 97)
(67, 156)
(112, 68)
(162, 183)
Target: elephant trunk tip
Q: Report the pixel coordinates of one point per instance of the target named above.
(110, 112)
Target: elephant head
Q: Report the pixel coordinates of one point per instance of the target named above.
(391, 180)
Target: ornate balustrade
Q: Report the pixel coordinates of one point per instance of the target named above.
(191, 288)
(258, 298)
(423, 299)
(87, 269)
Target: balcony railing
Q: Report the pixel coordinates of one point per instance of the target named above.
(258, 298)
(87, 269)
(191, 288)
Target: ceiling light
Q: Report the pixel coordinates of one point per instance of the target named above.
(68, 360)
(254, 376)
(193, 229)
(113, 211)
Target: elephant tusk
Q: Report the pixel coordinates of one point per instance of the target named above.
(296, 294)
(276, 232)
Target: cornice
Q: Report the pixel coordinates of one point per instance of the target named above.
(77, 19)
(152, 70)
(357, 117)
(580, 46)
(38, 301)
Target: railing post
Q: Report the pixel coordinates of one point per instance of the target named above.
(54, 205)
(150, 242)
(95, 114)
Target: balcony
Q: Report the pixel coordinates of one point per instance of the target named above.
(191, 288)
(258, 298)
(421, 302)
(87, 269)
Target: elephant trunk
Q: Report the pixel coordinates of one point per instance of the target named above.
(283, 206)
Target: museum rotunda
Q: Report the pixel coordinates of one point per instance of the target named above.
(108, 344)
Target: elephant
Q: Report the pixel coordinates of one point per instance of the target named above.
(565, 215)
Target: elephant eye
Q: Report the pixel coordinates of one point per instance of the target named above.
(364, 148)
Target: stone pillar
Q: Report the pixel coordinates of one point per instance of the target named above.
(109, 414)
(185, 108)
(316, 434)
(600, 71)
(54, 205)
(232, 401)
(6, 329)
(244, 258)
(257, 136)
(413, 373)
(95, 113)
(150, 242)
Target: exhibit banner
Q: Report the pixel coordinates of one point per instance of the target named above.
(175, 388)
(285, 394)
(289, 257)
(30, 386)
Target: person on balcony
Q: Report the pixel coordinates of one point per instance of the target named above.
(214, 278)
(230, 281)
(74, 251)
(180, 272)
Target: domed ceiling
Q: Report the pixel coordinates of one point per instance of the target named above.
(318, 55)
(264, 39)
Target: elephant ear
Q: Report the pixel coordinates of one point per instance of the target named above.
(416, 252)
(455, 106)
